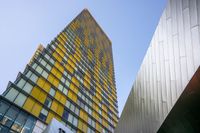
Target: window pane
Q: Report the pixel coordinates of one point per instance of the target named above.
(43, 114)
(65, 114)
(48, 102)
(20, 99)
(10, 116)
(28, 74)
(39, 69)
(67, 104)
(70, 118)
(52, 92)
(19, 122)
(28, 87)
(28, 127)
(45, 74)
(34, 78)
(21, 83)
(11, 95)
(75, 122)
(48, 67)
(67, 83)
(3, 108)
(43, 62)
(60, 87)
(77, 111)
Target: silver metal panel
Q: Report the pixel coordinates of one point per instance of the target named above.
(170, 62)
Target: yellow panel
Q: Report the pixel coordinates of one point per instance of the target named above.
(80, 124)
(83, 115)
(86, 84)
(84, 128)
(104, 108)
(74, 88)
(74, 98)
(75, 81)
(50, 78)
(98, 127)
(60, 109)
(41, 82)
(57, 65)
(28, 104)
(49, 117)
(42, 96)
(36, 109)
(54, 106)
(58, 95)
(56, 82)
(69, 68)
(47, 87)
(70, 94)
(59, 75)
(54, 71)
(35, 92)
(63, 99)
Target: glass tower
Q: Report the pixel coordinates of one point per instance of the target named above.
(71, 80)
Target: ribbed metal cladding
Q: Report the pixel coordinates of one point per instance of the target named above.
(171, 60)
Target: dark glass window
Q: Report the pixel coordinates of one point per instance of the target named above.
(65, 114)
(48, 102)
(28, 127)
(43, 114)
(10, 116)
(3, 108)
(19, 122)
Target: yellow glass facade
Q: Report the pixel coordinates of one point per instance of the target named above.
(72, 79)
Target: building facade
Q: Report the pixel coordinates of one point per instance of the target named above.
(169, 64)
(71, 81)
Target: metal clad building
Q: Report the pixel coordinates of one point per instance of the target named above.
(170, 62)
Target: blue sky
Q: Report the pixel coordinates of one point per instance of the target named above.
(129, 24)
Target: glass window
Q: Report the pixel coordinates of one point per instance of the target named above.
(65, 91)
(27, 87)
(43, 114)
(48, 67)
(20, 99)
(65, 114)
(11, 95)
(47, 56)
(75, 122)
(70, 118)
(34, 78)
(63, 79)
(72, 107)
(69, 76)
(90, 111)
(67, 83)
(28, 74)
(60, 87)
(10, 116)
(93, 123)
(28, 127)
(67, 104)
(43, 62)
(19, 122)
(65, 73)
(34, 65)
(52, 92)
(39, 69)
(77, 111)
(52, 61)
(21, 83)
(45, 74)
(48, 102)
(3, 108)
